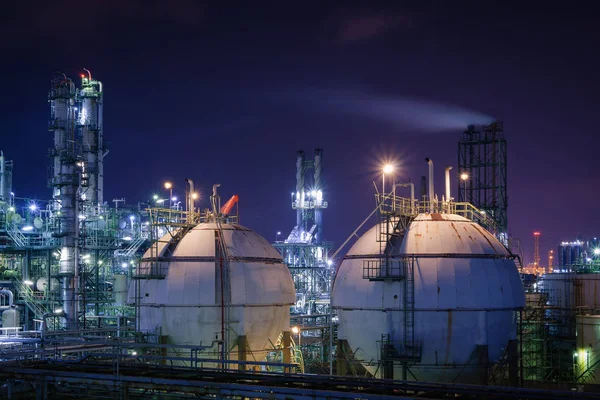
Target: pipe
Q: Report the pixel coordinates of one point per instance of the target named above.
(89, 73)
(430, 193)
(44, 326)
(423, 188)
(448, 168)
(10, 299)
(190, 200)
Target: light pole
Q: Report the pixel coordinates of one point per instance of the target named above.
(464, 177)
(169, 186)
(296, 330)
(194, 197)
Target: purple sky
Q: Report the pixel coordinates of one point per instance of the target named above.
(228, 95)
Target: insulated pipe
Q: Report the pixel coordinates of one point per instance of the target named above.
(430, 193)
(10, 298)
(448, 168)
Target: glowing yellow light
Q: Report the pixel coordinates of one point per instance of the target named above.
(464, 176)
(388, 169)
(168, 185)
(194, 195)
(295, 330)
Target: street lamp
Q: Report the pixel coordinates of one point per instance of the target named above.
(464, 177)
(387, 169)
(194, 197)
(169, 186)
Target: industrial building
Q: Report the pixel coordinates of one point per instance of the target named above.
(104, 300)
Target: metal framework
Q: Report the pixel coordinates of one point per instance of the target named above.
(482, 156)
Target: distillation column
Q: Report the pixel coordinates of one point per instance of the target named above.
(300, 189)
(65, 182)
(318, 188)
(90, 122)
(5, 179)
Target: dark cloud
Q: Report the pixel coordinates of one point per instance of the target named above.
(74, 21)
(352, 25)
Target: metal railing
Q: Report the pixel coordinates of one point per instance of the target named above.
(395, 205)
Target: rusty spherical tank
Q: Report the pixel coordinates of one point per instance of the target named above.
(446, 302)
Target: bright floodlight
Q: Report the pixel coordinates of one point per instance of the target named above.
(174, 198)
(194, 195)
(597, 251)
(124, 265)
(155, 197)
(295, 329)
(28, 283)
(33, 207)
(132, 217)
(464, 176)
(27, 228)
(279, 233)
(168, 185)
(388, 169)
(58, 311)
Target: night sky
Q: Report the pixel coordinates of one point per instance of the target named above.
(228, 95)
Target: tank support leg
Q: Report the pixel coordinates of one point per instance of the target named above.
(287, 348)
(242, 345)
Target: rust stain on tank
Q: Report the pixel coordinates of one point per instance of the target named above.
(455, 230)
(436, 217)
(448, 336)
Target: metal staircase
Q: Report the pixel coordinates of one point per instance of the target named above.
(38, 309)
(15, 234)
(130, 250)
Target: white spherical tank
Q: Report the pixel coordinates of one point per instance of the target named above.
(466, 292)
(186, 304)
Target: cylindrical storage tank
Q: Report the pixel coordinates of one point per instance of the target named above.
(120, 289)
(587, 292)
(10, 318)
(465, 294)
(182, 300)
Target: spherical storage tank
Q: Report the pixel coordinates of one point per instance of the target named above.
(466, 293)
(186, 305)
